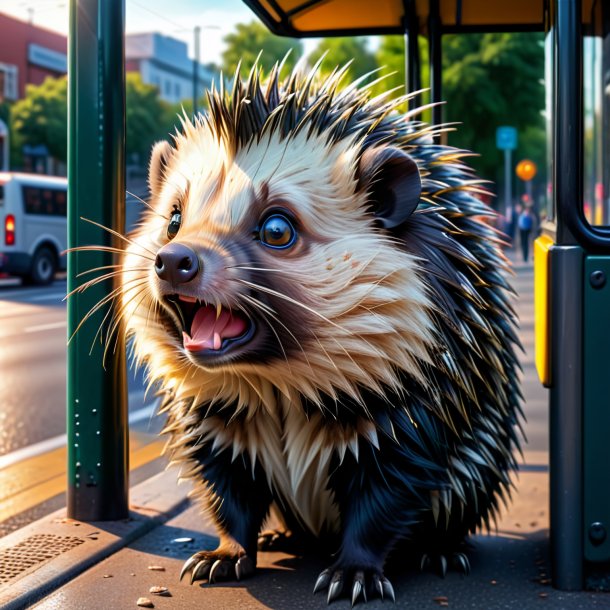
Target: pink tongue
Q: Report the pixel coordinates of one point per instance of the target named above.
(208, 332)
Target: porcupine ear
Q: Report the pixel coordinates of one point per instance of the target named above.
(161, 154)
(392, 180)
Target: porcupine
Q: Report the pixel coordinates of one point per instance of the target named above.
(328, 317)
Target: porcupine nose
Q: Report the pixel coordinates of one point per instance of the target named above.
(176, 263)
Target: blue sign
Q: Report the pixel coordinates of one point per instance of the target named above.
(47, 58)
(506, 138)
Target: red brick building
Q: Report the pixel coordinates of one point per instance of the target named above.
(28, 54)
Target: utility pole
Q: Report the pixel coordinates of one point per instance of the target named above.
(506, 140)
(196, 61)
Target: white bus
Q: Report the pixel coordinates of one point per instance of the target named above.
(33, 226)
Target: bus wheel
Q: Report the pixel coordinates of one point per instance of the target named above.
(43, 267)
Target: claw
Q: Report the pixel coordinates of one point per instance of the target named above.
(323, 580)
(218, 571)
(462, 562)
(188, 564)
(200, 571)
(365, 582)
(244, 566)
(336, 586)
(388, 589)
(443, 561)
(358, 587)
(425, 560)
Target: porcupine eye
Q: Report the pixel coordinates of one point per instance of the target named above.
(174, 223)
(277, 232)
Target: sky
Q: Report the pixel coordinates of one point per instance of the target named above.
(175, 18)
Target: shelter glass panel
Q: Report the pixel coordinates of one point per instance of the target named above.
(596, 120)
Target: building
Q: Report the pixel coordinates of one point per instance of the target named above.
(164, 62)
(28, 54)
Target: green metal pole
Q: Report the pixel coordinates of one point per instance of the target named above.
(97, 399)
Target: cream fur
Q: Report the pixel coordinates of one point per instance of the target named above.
(372, 315)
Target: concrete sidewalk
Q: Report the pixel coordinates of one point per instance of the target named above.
(510, 567)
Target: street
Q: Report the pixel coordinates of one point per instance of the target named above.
(33, 406)
(33, 364)
(33, 358)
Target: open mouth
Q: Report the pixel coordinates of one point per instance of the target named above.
(210, 330)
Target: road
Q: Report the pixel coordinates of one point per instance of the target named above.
(33, 364)
(33, 406)
(33, 402)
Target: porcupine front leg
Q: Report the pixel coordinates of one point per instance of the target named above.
(374, 515)
(381, 490)
(239, 498)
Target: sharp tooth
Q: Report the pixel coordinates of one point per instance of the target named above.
(217, 341)
(218, 310)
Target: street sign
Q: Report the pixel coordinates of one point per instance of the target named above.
(506, 138)
(526, 169)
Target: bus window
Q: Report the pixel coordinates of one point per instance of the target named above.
(596, 120)
(60, 203)
(32, 200)
(48, 202)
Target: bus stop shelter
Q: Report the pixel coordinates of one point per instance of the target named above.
(97, 423)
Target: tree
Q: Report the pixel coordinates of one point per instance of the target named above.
(341, 50)
(488, 80)
(248, 40)
(148, 118)
(390, 57)
(41, 117)
(491, 80)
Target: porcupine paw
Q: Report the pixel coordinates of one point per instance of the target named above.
(217, 566)
(276, 541)
(354, 583)
(438, 562)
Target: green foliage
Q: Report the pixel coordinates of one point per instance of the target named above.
(390, 57)
(41, 117)
(491, 80)
(340, 51)
(147, 117)
(248, 40)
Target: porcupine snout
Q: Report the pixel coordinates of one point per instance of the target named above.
(176, 263)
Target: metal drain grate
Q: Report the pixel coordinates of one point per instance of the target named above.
(33, 550)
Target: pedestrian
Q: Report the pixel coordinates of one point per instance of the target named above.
(525, 224)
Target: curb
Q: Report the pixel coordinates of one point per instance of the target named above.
(42, 556)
